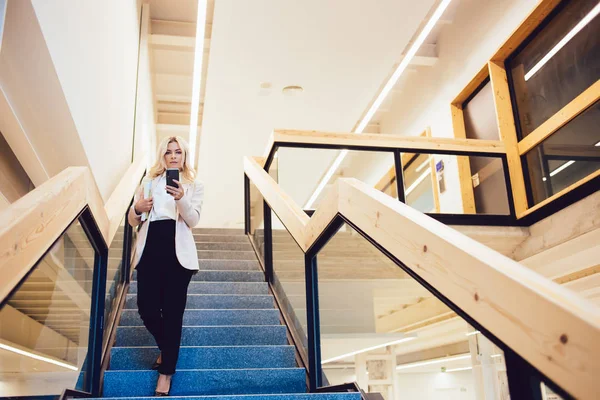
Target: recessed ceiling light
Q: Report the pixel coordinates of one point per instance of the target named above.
(292, 90)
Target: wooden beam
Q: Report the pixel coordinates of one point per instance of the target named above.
(289, 213)
(555, 333)
(578, 105)
(525, 28)
(31, 224)
(508, 134)
(470, 88)
(381, 141)
(463, 163)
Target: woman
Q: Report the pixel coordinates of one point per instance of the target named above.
(166, 256)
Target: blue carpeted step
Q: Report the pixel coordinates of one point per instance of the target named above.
(224, 357)
(229, 276)
(218, 301)
(220, 288)
(287, 396)
(208, 336)
(213, 317)
(224, 276)
(208, 382)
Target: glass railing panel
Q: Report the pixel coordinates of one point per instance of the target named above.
(257, 220)
(301, 171)
(567, 156)
(289, 281)
(383, 329)
(44, 326)
(115, 279)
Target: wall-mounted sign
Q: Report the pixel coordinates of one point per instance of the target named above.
(439, 172)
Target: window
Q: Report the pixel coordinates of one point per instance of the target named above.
(556, 64)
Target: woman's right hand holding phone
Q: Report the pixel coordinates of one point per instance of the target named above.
(143, 205)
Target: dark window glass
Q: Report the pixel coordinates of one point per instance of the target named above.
(542, 85)
(569, 155)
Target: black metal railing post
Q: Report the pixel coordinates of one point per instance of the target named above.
(246, 204)
(268, 243)
(313, 322)
(507, 182)
(399, 176)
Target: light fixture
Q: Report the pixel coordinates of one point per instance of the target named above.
(379, 346)
(383, 94)
(438, 361)
(292, 90)
(580, 25)
(597, 144)
(197, 78)
(562, 167)
(473, 333)
(38, 357)
(417, 182)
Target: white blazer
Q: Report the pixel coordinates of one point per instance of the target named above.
(188, 216)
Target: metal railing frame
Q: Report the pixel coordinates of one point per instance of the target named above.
(524, 379)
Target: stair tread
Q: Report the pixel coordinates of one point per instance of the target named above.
(209, 381)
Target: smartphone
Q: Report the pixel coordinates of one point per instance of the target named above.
(172, 174)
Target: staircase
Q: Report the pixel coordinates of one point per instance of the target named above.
(233, 342)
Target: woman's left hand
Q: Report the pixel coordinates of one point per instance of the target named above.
(177, 192)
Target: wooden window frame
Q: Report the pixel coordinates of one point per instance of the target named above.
(505, 117)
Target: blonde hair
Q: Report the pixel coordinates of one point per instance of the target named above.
(188, 174)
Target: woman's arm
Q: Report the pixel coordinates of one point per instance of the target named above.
(190, 205)
(133, 218)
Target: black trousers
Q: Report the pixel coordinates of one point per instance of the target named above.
(162, 292)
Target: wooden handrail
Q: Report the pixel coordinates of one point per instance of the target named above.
(381, 141)
(30, 226)
(552, 328)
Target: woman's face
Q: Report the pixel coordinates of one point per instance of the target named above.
(174, 156)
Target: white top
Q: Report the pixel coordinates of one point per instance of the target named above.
(164, 206)
(189, 208)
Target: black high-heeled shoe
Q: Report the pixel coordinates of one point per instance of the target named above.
(163, 394)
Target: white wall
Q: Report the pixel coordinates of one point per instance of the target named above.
(93, 45)
(145, 122)
(478, 29)
(436, 386)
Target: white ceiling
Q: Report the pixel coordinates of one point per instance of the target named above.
(339, 51)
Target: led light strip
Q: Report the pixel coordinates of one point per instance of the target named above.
(38, 357)
(197, 78)
(442, 360)
(585, 20)
(382, 95)
(367, 349)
